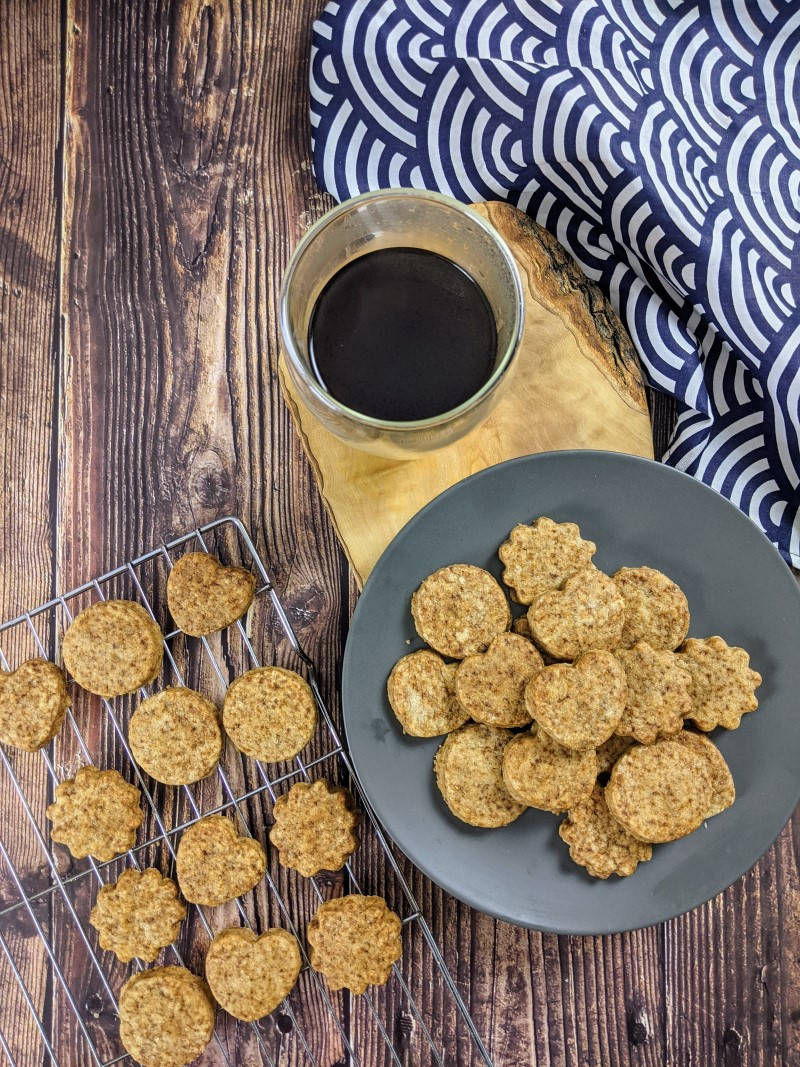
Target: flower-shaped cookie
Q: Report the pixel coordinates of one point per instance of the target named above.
(96, 813)
(579, 704)
(137, 915)
(490, 686)
(315, 827)
(586, 613)
(354, 941)
(658, 693)
(598, 842)
(540, 557)
(723, 685)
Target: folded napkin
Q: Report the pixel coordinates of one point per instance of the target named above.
(658, 140)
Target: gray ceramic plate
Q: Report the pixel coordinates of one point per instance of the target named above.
(638, 512)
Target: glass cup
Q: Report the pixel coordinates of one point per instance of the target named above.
(405, 218)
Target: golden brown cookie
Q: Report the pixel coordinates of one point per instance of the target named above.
(203, 596)
(459, 609)
(175, 736)
(33, 702)
(540, 773)
(656, 609)
(469, 773)
(658, 693)
(215, 864)
(579, 704)
(250, 976)
(112, 648)
(96, 813)
(609, 752)
(421, 691)
(315, 827)
(540, 557)
(661, 792)
(269, 713)
(522, 627)
(723, 685)
(598, 842)
(354, 942)
(490, 686)
(166, 1016)
(586, 613)
(723, 789)
(138, 915)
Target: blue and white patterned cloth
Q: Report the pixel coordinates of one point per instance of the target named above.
(658, 140)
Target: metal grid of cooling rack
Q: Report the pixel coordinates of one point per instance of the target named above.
(77, 1017)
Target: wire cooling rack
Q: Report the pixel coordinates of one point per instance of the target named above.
(50, 959)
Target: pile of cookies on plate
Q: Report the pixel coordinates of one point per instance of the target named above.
(114, 648)
(580, 706)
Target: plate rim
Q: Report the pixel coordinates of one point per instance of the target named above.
(444, 883)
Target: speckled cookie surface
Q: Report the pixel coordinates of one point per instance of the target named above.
(166, 1016)
(656, 609)
(175, 736)
(660, 792)
(469, 774)
(540, 773)
(723, 684)
(723, 789)
(540, 557)
(598, 842)
(459, 609)
(138, 915)
(204, 596)
(609, 752)
(269, 713)
(579, 704)
(215, 864)
(112, 648)
(249, 975)
(315, 827)
(96, 813)
(33, 702)
(490, 686)
(586, 613)
(353, 941)
(658, 693)
(421, 691)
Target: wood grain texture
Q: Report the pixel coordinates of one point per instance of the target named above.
(187, 184)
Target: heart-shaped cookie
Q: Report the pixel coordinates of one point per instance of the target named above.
(249, 975)
(579, 704)
(587, 612)
(204, 596)
(214, 864)
(490, 686)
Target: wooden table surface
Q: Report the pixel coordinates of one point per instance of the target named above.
(154, 176)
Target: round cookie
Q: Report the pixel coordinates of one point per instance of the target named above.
(490, 686)
(113, 648)
(579, 704)
(249, 975)
(354, 941)
(586, 613)
(469, 773)
(723, 685)
(166, 1016)
(660, 792)
(315, 827)
(540, 773)
(203, 596)
(656, 609)
(459, 609)
(540, 557)
(270, 714)
(609, 752)
(421, 691)
(598, 842)
(33, 702)
(96, 813)
(215, 864)
(175, 736)
(723, 789)
(137, 915)
(658, 693)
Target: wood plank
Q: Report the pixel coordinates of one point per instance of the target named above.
(30, 189)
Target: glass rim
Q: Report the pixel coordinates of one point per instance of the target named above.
(311, 382)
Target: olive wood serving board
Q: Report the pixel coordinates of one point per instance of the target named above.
(577, 384)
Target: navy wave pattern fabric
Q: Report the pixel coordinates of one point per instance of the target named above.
(658, 141)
